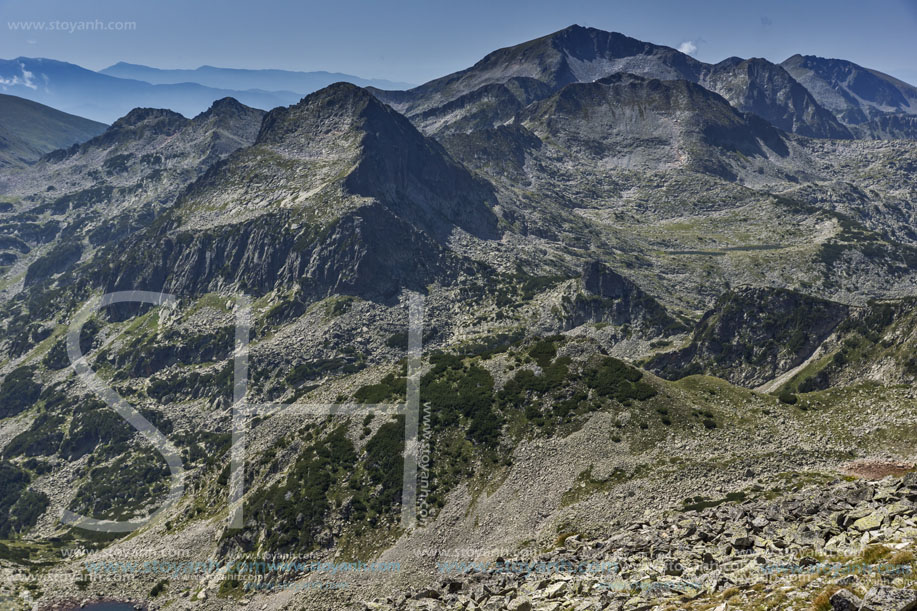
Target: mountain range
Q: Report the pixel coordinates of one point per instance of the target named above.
(863, 99)
(238, 79)
(113, 92)
(579, 54)
(667, 323)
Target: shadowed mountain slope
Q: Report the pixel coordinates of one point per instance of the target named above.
(28, 130)
(338, 194)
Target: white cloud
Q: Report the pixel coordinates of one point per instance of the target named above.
(688, 47)
(25, 79)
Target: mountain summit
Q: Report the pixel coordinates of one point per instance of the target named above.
(518, 75)
(574, 54)
(340, 193)
(874, 104)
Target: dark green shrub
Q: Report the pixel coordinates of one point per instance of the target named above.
(387, 388)
(27, 509)
(13, 482)
(615, 379)
(18, 392)
(61, 258)
(543, 352)
(297, 507)
(454, 392)
(159, 588)
(385, 464)
(306, 371)
(398, 341)
(43, 437)
(118, 490)
(56, 358)
(95, 428)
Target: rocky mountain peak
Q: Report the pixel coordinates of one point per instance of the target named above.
(574, 54)
(149, 116)
(870, 103)
(591, 43)
(594, 45)
(769, 91)
(139, 124)
(328, 113)
(227, 106)
(579, 54)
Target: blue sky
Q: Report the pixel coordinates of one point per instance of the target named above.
(416, 40)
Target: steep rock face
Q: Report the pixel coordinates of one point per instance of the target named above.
(850, 90)
(767, 90)
(609, 297)
(887, 127)
(873, 104)
(415, 178)
(602, 281)
(369, 253)
(489, 106)
(752, 335)
(629, 121)
(501, 151)
(342, 195)
(115, 184)
(876, 343)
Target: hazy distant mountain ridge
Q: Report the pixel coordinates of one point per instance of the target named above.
(98, 96)
(243, 79)
(113, 92)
